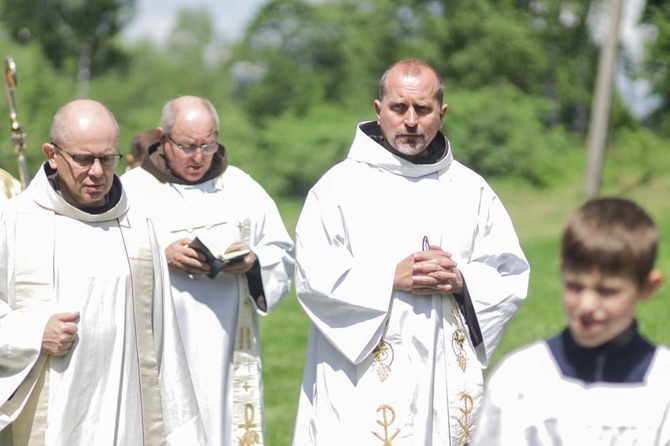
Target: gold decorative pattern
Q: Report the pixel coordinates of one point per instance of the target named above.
(383, 360)
(250, 436)
(466, 421)
(388, 418)
(247, 401)
(458, 338)
(244, 338)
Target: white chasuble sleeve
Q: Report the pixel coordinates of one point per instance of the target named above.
(273, 247)
(347, 299)
(20, 332)
(20, 345)
(496, 273)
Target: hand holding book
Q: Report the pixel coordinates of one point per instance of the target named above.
(216, 264)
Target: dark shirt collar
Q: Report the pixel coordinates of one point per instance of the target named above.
(436, 150)
(624, 361)
(111, 199)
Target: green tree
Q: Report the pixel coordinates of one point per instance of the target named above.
(509, 139)
(299, 150)
(296, 53)
(512, 70)
(156, 72)
(40, 91)
(289, 60)
(74, 35)
(190, 61)
(570, 57)
(657, 61)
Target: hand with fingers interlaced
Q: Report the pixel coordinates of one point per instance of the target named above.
(431, 271)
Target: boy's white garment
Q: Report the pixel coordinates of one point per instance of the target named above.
(529, 402)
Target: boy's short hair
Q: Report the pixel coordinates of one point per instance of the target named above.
(612, 235)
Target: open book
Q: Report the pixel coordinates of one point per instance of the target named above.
(217, 262)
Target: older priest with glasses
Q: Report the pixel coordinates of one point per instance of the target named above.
(91, 352)
(230, 259)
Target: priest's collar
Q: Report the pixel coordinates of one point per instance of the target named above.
(436, 150)
(111, 199)
(156, 163)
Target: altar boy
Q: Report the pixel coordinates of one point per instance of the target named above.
(598, 382)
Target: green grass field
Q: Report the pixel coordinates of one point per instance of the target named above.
(538, 217)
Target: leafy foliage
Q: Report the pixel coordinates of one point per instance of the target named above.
(39, 92)
(297, 54)
(298, 150)
(299, 57)
(70, 30)
(636, 158)
(518, 76)
(657, 66)
(499, 132)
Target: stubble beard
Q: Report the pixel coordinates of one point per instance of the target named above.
(410, 146)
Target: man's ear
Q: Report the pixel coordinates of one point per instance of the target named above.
(443, 111)
(654, 282)
(161, 135)
(50, 151)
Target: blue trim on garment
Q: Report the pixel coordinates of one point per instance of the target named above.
(614, 362)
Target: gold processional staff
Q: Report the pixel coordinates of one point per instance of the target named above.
(18, 137)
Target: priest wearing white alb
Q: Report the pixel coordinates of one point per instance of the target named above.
(410, 270)
(91, 352)
(202, 205)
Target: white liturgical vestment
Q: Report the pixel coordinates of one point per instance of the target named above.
(108, 389)
(229, 208)
(386, 367)
(530, 402)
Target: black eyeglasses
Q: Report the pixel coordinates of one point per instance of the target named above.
(206, 149)
(85, 161)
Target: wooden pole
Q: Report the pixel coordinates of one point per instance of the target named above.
(602, 104)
